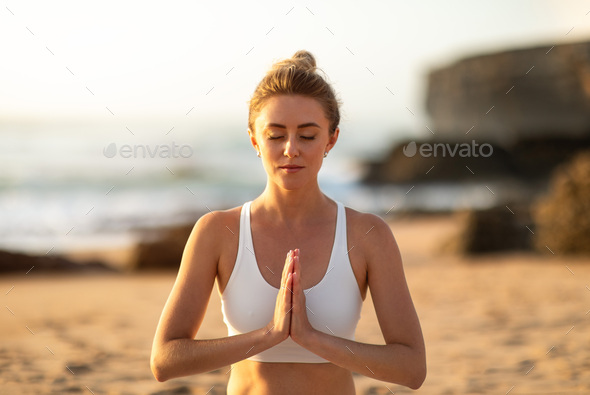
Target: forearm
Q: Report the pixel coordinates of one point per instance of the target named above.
(184, 357)
(395, 363)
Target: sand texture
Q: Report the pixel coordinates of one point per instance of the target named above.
(495, 324)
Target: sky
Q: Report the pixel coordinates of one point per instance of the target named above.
(183, 61)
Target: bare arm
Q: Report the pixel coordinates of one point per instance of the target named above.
(175, 352)
(402, 359)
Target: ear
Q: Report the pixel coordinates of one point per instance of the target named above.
(333, 139)
(253, 140)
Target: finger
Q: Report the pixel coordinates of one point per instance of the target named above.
(286, 285)
(289, 254)
(286, 268)
(296, 283)
(288, 296)
(297, 271)
(297, 301)
(289, 286)
(288, 261)
(289, 283)
(291, 267)
(296, 263)
(299, 292)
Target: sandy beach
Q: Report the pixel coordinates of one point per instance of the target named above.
(513, 323)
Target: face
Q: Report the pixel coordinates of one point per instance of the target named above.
(292, 133)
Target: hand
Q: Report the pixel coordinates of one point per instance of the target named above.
(300, 325)
(280, 324)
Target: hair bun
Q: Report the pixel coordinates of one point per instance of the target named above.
(302, 60)
(305, 60)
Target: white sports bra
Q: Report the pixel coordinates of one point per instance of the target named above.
(334, 304)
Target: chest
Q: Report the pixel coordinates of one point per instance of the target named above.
(271, 245)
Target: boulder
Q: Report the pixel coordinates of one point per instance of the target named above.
(496, 229)
(527, 159)
(562, 216)
(161, 248)
(438, 160)
(17, 262)
(538, 157)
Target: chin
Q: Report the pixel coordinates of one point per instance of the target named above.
(291, 185)
(292, 182)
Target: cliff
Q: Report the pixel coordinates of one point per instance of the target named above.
(513, 95)
(529, 107)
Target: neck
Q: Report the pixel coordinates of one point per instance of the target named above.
(293, 206)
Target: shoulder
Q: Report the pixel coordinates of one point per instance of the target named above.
(371, 234)
(218, 219)
(210, 237)
(360, 224)
(213, 224)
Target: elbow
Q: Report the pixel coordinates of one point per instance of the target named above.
(158, 374)
(416, 383)
(417, 374)
(157, 368)
(412, 379)
(418, 377)
(413, 373)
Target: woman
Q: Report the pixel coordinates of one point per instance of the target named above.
(292, 267)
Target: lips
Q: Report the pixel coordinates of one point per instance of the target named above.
(291, 168)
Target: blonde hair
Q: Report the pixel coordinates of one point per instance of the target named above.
(295, 76)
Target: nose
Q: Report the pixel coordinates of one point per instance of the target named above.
(291, 148)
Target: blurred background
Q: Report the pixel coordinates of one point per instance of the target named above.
(77, 78)
(466, 125)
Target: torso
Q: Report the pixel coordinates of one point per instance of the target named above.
(271, 244)
(263, 378)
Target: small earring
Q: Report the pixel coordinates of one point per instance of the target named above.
(325, 154)
(258, 154)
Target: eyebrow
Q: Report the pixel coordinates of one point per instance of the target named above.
(303, 125)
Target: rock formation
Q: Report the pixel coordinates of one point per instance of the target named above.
(563, 216)
(161, 248)
(502, 228)
(513, 95)
(437, 161)
(531, 105)
(22, 263)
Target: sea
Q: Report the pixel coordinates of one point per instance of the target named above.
(87, 185)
